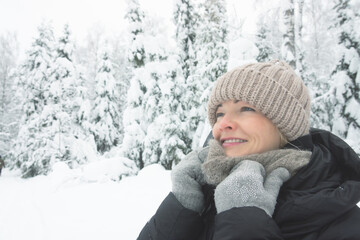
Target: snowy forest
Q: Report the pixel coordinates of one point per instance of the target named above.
(140, 96)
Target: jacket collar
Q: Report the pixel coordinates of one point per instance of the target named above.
(302, 143)
(330, 155)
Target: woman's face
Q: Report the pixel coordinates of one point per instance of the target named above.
(243, 130)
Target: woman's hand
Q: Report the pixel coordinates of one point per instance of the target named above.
(187, 179)
(248, 186)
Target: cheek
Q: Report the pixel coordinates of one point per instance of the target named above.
(271, 136)
(264, 129)
(254, 125)
(216, 132)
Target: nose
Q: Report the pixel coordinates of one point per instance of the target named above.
(227, 123)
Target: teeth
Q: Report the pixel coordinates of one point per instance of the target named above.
(234, 141)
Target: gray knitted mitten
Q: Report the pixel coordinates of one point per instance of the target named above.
(247, 185)
(187, 179)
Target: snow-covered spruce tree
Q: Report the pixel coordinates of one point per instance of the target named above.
(87, 59)
(161, 107)
(316, 39)
(165, 130)
(346, 74)
(69, 94)
(146, 130)
(65, 72)
(9, 117)
(88, 54)
(134, 131)
(151, 109)
(269, 35)
(292, 47)
(49, 132)
(322, 110)
(186, 20)
(186, 17)
(122, 72)
(211, 58)
(105, 114)
(155, 113)
(288, 46)
(134, 134)
(28, 149)
(264, 31)
(304, 69)
(135, 16)
(263, 44)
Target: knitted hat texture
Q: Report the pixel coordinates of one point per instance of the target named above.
(271, 87)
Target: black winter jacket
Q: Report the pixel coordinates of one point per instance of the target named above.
(319, 202)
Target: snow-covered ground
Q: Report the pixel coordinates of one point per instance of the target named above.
(75, 204)
(80, 204)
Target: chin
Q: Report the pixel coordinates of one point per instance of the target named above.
(234, 154)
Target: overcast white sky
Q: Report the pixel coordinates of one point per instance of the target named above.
(23, 16)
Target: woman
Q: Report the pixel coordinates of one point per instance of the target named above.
(265, 175)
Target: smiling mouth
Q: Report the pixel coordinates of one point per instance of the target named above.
(230, 142)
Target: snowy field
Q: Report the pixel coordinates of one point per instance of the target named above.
(79, 204)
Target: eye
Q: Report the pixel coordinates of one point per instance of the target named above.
(247, 109)
(219, 114)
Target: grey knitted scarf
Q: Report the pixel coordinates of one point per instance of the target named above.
(218, 166)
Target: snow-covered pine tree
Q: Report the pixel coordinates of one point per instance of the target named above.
(346, 74)
(263, 44)
(69, 95)
(317, 39)
(105, 115)
(162, 109)
(122, 73)
(322, 110)
(66, 72)
(9, 117)
(303, 68)
(151, 109)
(288, 46)
(186, 18)
(166, 129)
(48, 133)
(135, 16)
(211, 42)
(134, 131)
(211, 58)
(154, 73)
(269, 37)
(88, 57)
(146, 132)
(134, 134)
(27, 151)
(88, 54)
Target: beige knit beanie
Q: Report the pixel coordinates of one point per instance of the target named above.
(273, 88)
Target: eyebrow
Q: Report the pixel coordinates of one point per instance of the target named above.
(235, 101)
